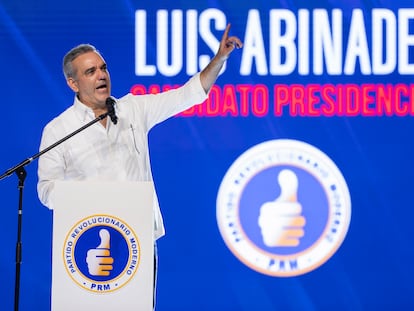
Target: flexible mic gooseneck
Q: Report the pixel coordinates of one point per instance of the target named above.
(111, 111)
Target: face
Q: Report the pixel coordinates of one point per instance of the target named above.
(92, 82)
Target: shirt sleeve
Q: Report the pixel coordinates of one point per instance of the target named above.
(50, 168)
(158, 107)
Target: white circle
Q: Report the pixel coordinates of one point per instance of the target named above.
(277, 153)
(70, 262)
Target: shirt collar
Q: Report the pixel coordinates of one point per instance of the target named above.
(82, 111)
(86, 113)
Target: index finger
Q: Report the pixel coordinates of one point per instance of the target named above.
(226, 33)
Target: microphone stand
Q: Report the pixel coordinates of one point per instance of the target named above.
(21, 174)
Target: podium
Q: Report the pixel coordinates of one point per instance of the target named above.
(103, 246)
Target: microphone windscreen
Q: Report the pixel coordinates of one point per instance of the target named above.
(111, 110)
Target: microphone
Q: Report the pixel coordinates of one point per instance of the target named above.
(109, 103)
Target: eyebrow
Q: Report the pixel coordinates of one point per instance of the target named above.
(92, 69)
(89, 70)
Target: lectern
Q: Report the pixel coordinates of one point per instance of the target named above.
(103, 246)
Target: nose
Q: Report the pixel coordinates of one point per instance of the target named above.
(102, 74)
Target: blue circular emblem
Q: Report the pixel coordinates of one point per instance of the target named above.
(283, 208)
(101, 253)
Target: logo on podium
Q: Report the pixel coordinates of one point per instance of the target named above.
(101, 253)
(283, 208)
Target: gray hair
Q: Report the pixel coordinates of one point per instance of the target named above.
(72, 54)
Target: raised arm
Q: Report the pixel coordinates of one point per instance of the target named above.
(227, 44)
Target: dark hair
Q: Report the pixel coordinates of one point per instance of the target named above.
(72, 54)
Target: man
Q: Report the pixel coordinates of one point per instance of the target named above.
(106, 151)
(91, 153)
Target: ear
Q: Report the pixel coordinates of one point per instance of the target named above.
(73, 84)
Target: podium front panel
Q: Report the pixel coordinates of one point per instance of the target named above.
(103, 246)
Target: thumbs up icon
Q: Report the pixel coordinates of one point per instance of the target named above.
(99, 259)
(280, 221)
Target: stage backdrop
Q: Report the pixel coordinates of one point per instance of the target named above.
(288, 189)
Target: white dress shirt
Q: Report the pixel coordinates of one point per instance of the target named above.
(117, 152)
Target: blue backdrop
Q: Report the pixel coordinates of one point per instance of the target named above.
(298, 56)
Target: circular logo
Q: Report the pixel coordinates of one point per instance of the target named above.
(101, 253)
(283, 208)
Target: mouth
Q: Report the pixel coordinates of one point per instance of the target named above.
(102, 86)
